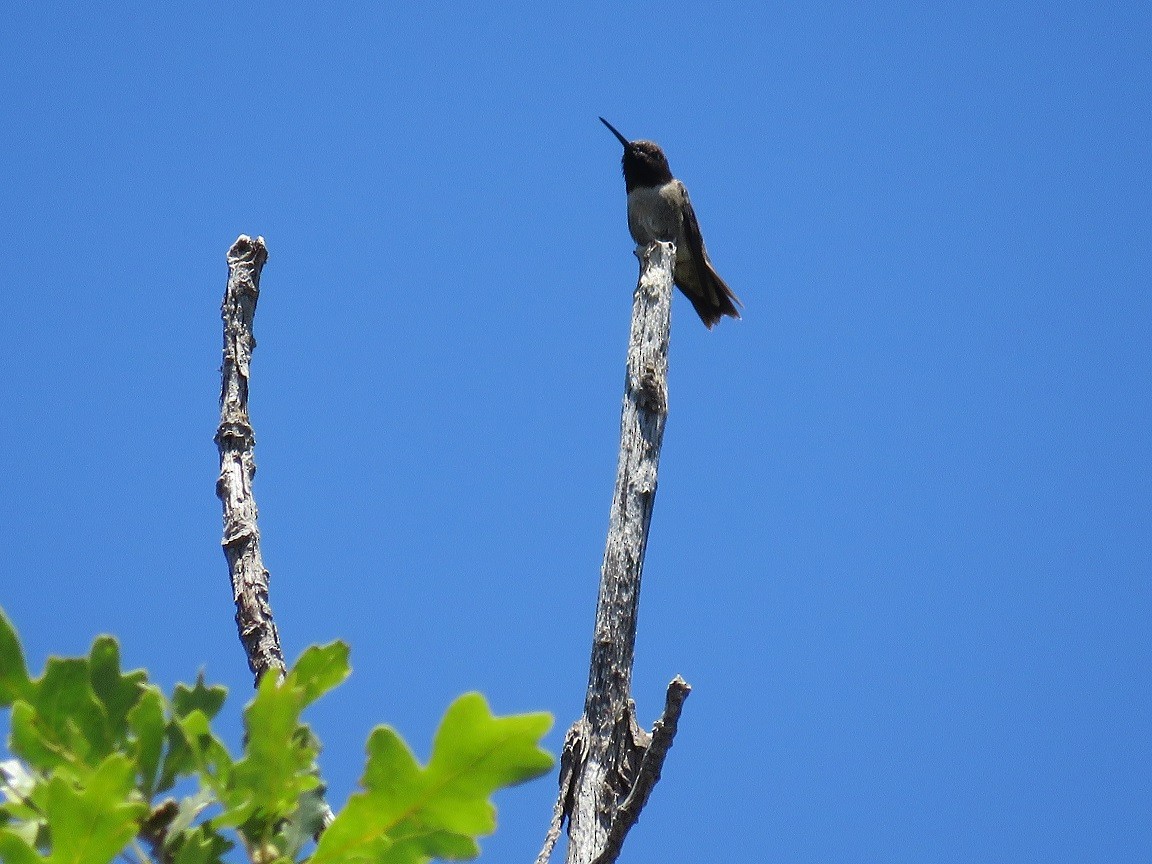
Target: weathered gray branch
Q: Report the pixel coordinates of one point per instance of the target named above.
(236, 441)
(610, 764)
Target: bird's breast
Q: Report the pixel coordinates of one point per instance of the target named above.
(653, 214)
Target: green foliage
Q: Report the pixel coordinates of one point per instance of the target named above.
(96, 748)
(410, 814)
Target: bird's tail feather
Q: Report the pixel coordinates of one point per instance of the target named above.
(716, 300)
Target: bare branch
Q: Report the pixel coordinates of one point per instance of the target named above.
(236, 441)
(642, 418)
(609, 763)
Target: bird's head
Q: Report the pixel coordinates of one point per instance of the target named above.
(644, 162)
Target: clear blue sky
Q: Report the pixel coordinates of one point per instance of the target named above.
(901, 543)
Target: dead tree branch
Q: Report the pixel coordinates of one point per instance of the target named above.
(609, 764)
(236, 441)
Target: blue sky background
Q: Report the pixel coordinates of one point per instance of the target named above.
(901, 543)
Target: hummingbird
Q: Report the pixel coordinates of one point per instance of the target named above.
(659, 209)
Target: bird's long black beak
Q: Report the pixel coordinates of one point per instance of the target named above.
(627, 144)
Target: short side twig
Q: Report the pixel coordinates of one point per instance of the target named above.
(236, 441)
(609, 764)
(648, 774)
(569, 758)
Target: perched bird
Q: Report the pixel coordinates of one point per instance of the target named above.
(659, 209)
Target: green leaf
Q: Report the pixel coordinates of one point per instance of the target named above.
(475, 754)
(319, 669)
(76, 714)
(410, 814)
(13, 850)
(28, 742)
(201, 846)
(17, 813)
(418, 848)
(92, 825)
(118, 693)
(146, 721)
(295, 833)
(191, 749)
(14, 681)
(68, 712)
(186, 813)
(209, 755)
(178, 760)
(207, 700)
(276, 768)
